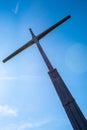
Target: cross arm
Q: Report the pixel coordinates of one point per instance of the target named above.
(41, 35)
(18, 50)
(36, 38)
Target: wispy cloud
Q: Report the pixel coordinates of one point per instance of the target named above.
(16, 9)
(8, 78)
(33, 125)
(36, 124)
(20, 77)
(23, 126)
(5, 110)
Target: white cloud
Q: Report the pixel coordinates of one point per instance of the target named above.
(15, 10)
(20, 77)
(8, 78)
(32, 125)
(36, 124)
(5, 110)
(23, 126)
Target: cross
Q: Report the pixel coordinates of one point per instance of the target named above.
(73, 111)
(36, 38)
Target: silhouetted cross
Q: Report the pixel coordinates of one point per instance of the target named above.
(36, 38)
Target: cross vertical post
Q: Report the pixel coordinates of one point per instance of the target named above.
(73, 112)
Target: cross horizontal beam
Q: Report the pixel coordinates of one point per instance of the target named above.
(38, 37)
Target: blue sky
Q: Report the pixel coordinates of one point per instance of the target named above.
(27, 97)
